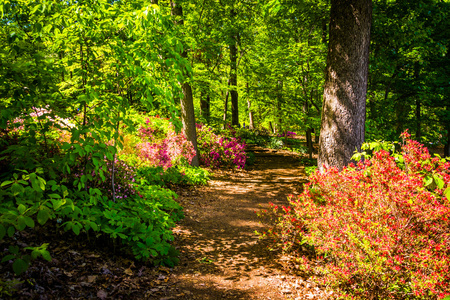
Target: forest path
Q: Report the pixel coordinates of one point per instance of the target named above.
(221, 256)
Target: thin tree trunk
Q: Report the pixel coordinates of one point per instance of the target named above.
(309, 143)
(344, 100)
(401, 112)
(447, 144)
(187, 102)
(188, 120)
(225, 105)
(251, 125)
(233, 82)
(279, 102)
(418, 120)
(272, 129)
(205, 103)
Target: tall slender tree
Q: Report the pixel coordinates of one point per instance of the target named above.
(344, 100)
(187, 101)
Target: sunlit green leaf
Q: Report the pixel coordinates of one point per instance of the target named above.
(428, 180)
(439, 181)
(21, 208)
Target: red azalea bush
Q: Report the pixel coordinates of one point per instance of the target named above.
(380, 230)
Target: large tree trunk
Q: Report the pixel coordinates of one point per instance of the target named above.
(344, 100)
(187, 102)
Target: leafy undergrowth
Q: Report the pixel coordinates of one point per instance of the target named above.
(82, 267)
(380, 229)
(86, 187)
(103, 184)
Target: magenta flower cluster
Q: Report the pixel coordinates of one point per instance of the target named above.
(173, 149)
(217, 151)
(287, 134)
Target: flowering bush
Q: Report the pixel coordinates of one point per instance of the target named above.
(287, 134)
(216, 150)
(124, 180)
(173, 148)
(378, 229)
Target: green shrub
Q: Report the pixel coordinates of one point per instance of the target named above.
(275, 143)
(142, 222)
(250, 158)
(184, 175)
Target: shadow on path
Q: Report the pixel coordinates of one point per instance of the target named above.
(221, 256)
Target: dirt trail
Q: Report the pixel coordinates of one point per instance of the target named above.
(221, 257)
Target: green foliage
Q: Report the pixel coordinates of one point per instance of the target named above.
(408, 71)
(7, 288)
(250, 158)
(310, 170)
(299, 149)
(195, 175)
(73, 72)
(142, 222)
(185, 175)
(251, 136)
(275, 143)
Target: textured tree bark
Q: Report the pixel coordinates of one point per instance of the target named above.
(188, 120)
(344, 100)
(187, 102)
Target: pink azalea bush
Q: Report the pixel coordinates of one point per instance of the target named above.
(379, 229)
(163, 149)
(287, 134)
(217, 151)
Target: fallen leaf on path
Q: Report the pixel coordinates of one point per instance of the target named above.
(102, 294)
(68, 274)
(128, 272)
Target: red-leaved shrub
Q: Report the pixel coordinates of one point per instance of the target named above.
(379, 230)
